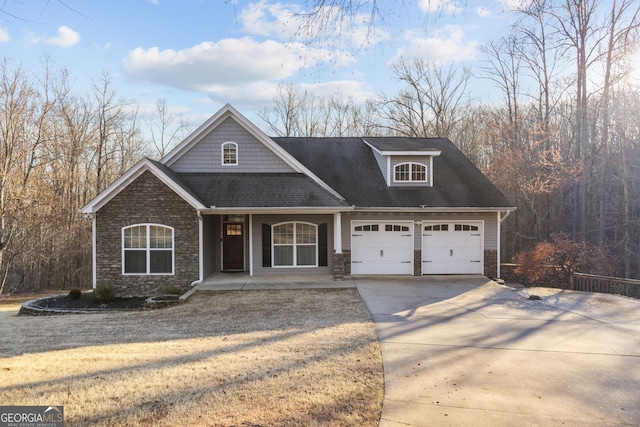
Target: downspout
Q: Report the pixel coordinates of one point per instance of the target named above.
(506, 215)
(501, 219)
(94, 251)
(200, 252)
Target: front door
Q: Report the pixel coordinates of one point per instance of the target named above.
(233, 246)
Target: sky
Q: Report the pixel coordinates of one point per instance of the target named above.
(201, 54)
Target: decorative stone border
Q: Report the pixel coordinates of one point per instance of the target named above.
(31, 308)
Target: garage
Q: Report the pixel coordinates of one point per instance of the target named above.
(452, 247)
(382, 247)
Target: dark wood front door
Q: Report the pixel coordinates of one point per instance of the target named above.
(233, 246)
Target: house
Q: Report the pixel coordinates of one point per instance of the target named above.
(229, 198)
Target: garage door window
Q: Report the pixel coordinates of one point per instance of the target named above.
(395, 227)
(295, 244)
(368, 227)
(437, 227)
(465, 227)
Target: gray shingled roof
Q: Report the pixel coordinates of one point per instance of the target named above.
(349, 167)
(249, 190)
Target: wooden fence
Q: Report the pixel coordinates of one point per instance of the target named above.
(606, 285)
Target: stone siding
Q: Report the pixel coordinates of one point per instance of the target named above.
(146, 201)
(417, 262)
(491, 263)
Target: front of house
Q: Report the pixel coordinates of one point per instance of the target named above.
(231, 199)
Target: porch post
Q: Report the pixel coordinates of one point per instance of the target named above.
(250, 244)
(337, 232)
(338, 256)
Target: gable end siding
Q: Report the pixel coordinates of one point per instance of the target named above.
(253, 155)
(146, 200)
(382, 163)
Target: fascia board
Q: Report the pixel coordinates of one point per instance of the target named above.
(435, 209)
(411, 153)
(131, 175)
(271, 210)
(429, 152)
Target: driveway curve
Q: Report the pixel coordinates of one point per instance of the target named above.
(466, 351)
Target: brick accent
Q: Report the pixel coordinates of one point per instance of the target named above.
(146, 200)
(417, 262)
(338, 266)
(491, 263)
(346, 259)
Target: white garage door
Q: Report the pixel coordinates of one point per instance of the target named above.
(381, 247)
(452, 247)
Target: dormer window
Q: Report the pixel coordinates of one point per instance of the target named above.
(229, 153)
(410, 172)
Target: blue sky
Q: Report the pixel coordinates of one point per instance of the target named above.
(201, 54)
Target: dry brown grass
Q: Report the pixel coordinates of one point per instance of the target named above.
(256, 358)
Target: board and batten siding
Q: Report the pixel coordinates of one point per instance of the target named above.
(489, 218)
(253, 155)
(258, 220)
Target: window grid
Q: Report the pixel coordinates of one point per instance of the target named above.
(410, 172)
(229, 153)
(295, 244)
(147, 249)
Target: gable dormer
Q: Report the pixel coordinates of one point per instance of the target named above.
(404, 161)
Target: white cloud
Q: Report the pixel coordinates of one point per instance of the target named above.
(4, 35)
(65, 39)
(291, 22)
(211, 66)
(515, 4)
(446, 45)
(447, 7)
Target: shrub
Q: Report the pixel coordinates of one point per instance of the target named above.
(75, 294)
(104, 292)
(553, 263)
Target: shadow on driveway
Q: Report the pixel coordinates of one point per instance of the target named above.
(463, 350)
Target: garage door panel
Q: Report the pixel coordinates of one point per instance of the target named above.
(382, 248)
(454, 248)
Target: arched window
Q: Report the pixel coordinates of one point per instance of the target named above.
(410, 172)
(147, 249)
(295, 244)
(229, 153)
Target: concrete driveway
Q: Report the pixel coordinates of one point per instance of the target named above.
(465, 351)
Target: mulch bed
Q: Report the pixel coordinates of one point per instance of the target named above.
(87, 302)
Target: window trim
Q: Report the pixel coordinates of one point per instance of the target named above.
(222, 149)
(148, 249)
(427, 173)
(294, 245)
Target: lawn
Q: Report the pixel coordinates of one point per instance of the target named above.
(249, 358)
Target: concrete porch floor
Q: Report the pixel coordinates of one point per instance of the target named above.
(245, 282)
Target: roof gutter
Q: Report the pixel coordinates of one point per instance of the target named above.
(425, 208)
(275, 210)
(506, 214)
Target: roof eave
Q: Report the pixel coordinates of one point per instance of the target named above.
(131, 175)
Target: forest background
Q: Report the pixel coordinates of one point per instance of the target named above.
(563, 144)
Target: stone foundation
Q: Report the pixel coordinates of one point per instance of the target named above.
(491, 263)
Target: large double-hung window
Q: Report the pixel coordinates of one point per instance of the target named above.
(147, 249)
(295, 244)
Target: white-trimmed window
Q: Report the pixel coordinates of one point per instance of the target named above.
(410, 172)
(147, 249)
(229, 153)
(295, 244)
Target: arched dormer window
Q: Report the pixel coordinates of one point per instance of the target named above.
(410, 172)
(229, 154)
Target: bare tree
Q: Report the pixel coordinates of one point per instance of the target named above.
(427, 105)
(168, 128)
